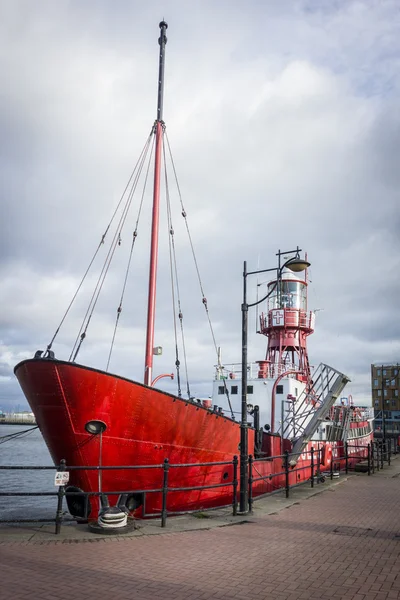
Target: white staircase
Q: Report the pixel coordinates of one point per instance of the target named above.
(303, 416)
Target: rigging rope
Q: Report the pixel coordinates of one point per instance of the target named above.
(175, 283)
(103, 237)
(100, 282)
(204, 299)
(184, 215)
(17, 434)
(135, 233)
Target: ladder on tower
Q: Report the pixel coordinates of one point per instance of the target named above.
(312, 407)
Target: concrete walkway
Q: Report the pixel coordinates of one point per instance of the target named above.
(340, 540)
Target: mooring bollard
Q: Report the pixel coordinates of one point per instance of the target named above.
(235, 486)
(250, 484)
(60, 494)
(164, 493)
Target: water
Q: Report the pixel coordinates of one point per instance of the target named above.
(26, 450)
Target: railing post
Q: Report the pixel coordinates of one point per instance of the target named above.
(372, 457)
(331, 468)
(346, 456)
(369, 458)
(382, 453)
(60, 494)
(286, 463)
(312, 466)
(235, 485)
(318, 464)
(164, 493)
(389, 451)
(377, 456)
(250, 484)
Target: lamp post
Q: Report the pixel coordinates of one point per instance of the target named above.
(295, 264)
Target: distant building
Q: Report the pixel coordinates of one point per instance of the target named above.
(385, 385)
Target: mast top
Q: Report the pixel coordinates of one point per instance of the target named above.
(162, 40)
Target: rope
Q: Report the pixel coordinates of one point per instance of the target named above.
(135, 233)
(103, 237)
(174, 280)
(204, 299)
(18, 434)
(117, 236)
(184, 215)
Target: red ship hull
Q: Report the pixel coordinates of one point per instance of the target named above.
(144, 427)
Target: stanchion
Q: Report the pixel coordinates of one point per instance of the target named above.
(235, 485)
(312, 467)
(377, 456)
(369, 458)
(164, 493)
(346, 450)
(331, 470)
(286, 465)
(61, 494)
(250, 484)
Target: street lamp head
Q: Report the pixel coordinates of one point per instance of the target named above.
(297, 264)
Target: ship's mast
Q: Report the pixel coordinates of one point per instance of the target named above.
(158, 130)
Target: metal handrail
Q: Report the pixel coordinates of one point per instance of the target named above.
(378, 452)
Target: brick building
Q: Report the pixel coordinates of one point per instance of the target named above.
(385, 385)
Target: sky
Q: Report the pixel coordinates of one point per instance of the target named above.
(284, 123)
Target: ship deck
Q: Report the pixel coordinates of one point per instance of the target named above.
(338, 540)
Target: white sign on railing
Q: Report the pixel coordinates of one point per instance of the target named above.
(61, 478)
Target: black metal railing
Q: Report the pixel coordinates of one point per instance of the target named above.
(293, 467)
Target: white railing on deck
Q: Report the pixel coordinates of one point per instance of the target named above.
(234, 370)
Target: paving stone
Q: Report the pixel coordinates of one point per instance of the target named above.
(335, 545)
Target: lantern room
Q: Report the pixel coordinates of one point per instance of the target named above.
(289, 292)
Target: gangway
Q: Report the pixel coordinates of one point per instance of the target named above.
(306, 413)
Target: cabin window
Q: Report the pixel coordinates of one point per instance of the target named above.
(384, 372)
(234, 389)
(393, 382)
(379, 392)
(249, 389)
(385, 392)
(378, 372)
(394, 402)
(396, 392)
(279, 389)
(387, 381)
(221, 389)
(395, 372)
(376, 402)
(376, 383)
(296, 391)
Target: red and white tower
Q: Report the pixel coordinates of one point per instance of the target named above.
(287, 324)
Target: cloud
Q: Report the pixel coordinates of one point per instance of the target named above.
(285, 130)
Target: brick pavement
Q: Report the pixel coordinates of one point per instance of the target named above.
(339, 544)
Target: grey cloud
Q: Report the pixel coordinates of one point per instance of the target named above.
(283, 130)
